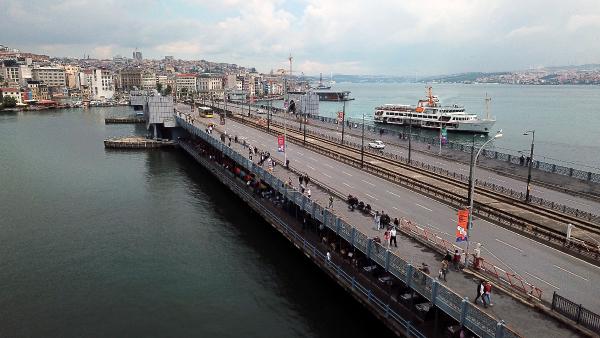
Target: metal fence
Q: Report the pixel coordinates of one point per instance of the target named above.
(576, 312)
(492, 154)
(447, 300)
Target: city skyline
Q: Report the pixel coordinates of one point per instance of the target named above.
(324, 37)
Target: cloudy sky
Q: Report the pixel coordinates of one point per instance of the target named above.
(392, 37)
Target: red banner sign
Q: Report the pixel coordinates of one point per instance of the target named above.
(280, 143)
(463, 223)
(340, 116)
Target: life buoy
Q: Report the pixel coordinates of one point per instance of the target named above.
(419, 109)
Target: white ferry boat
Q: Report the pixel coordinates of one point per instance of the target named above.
(429, 113)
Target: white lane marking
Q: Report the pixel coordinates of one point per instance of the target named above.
(310, 167)
(372, 197)
(326, 175)
(426, 208)
(346, 173)
(541, 280)
(369, 183)
(452, 219)
(395, 208)
(572, 273)
(542, 244)
(299, 153)
(312, 158)
(391, 193)
(329, 165)
(348, 185)
(264, 145)
(512, 246)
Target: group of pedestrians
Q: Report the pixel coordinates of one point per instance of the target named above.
(303, 181)
(484, 291)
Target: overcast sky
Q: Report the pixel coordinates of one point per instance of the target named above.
(391, 37)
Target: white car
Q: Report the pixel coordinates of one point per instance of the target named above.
(377, 144)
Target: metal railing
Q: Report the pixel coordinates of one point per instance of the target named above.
(504, 157)
(447, 300)
(576, 312)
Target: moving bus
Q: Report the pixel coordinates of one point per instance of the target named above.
(205, 112)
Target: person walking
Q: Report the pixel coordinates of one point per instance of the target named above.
(480, 292)
(444, 270)
(487, 289)
(456, 260)
(393, 237)
(377, 218)
(330, 202)
(308, 192)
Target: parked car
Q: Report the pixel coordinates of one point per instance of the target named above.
(377, 144)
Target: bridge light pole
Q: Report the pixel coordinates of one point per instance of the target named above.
(527, 192)
(362, 143)
(343, 121)
(472, 186)
(409, 138)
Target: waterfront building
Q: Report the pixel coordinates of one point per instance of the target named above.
(148, 80)
(51, 76)
(10, 73)
(25, 74)
(162, 80)
(11, 92)
(101, 84)
(71, 74)
(130, 78)
(186, 83)
(39, 90)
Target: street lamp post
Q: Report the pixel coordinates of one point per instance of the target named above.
(528, 191)
(472, 185)
(362, 143)
(409, 138)
(343, 121)
(305, 120)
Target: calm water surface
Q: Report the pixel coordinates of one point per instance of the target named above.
(105, 243)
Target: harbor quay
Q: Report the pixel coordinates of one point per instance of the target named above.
(409, 301)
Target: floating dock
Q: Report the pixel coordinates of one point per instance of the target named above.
(125, 119)
(137, 143)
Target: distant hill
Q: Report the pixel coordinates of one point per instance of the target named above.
(461, 77)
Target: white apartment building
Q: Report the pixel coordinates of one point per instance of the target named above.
(186, 82)
(51, 76)
(148, 81)
(10, 72)
(207, 84)
(71, 73)
(101, 84)
(11, 92)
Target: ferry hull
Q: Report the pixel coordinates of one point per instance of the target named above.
(479, 127)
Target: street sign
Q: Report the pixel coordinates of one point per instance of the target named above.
(444, 135)
(463, 223)
(280, 143)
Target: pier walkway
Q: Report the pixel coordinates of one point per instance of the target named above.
(521, 317)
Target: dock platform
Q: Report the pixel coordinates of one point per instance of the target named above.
(137, 143)
(124, 119)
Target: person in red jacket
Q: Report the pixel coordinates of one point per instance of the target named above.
(487, 289)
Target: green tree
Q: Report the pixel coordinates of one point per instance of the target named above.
(159, 87)
(168, 90)
(9, 102)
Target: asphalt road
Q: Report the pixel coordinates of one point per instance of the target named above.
(540, 265)
(458, 167)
